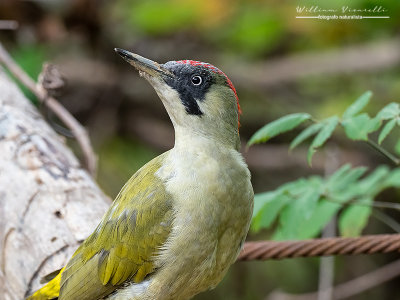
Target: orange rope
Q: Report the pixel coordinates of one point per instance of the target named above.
(368, 244)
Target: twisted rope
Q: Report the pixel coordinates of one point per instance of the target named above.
(368, 244)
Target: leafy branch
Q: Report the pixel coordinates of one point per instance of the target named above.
(357, 126)
(302, 208)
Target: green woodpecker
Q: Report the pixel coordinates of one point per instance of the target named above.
(181, 220)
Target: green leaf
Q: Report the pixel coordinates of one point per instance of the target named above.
(277, 127)
(358, 127)
(354, 218)
(341, 185)
(374, 124)
(328, 127)
(293, 215)
(390, 111)
(358, 105)
(386, 130)
(305, 134)
(266, 209)
(320, 217)
(338, 174)
(373, 183)
(393, 179)
(299, 185)
(263, 198)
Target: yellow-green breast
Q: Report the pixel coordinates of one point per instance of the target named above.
(213, 202)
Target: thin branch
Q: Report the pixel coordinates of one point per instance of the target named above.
(386, 219)
(8, 25)
(352, 287)
(327, 267)
(76, 128)
(327, 263)
(380, 204)
(367, 281)
(384, 152)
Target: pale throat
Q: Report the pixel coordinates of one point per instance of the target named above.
(187, 139)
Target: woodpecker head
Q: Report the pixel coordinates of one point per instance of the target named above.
(199, 98)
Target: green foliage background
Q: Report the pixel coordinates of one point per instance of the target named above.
(304, 207)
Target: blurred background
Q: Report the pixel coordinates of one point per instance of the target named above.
(278, 64)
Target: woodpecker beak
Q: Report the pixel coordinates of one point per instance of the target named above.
(144, 65)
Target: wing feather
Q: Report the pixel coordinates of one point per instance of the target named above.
(125, 243)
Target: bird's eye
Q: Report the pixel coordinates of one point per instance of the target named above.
(197, 80)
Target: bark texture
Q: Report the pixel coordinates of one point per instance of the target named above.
(48, 203)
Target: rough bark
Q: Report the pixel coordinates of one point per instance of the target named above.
(48, 203)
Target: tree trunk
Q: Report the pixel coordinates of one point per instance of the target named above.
(48, 203)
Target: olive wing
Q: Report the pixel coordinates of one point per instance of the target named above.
(125, 243)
